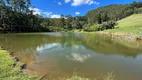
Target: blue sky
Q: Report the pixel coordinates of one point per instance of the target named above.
(54, 8)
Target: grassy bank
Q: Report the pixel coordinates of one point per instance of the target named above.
(10, 69)
(130, 27)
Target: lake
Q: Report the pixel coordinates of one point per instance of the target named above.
(62, 54)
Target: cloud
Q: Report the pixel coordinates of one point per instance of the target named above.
(77, 13)
(47, 14)
(67, 1)
(51, 15)
(81, 2)
(59, 3)
(36, 11)
(55, 16)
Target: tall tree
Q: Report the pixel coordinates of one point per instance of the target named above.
(62, 21)
(20, 5)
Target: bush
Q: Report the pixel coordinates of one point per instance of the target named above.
(107, 25)
(138, 11)
(92, 28)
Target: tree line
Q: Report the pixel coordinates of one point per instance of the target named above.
(15, 16)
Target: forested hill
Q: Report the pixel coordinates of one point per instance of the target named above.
(15, 16)
(112, 12)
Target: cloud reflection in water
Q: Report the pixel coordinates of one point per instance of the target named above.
(74, 52)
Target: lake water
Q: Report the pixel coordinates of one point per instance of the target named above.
(61, 54)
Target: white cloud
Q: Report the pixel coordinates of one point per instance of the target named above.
(36, 11)
(55, 16)
(77, 13)
(81, 2)
(47, 14)
(67, 1)
(59, 3)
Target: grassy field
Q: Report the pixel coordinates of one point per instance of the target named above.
(131, 25)
(10, 69)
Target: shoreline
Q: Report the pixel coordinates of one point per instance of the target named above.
(123, 36)
(11, 68)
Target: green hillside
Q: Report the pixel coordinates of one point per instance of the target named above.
(131, 25)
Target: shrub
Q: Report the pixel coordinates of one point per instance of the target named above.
(92, 28)
(138, 11)
(107, 25)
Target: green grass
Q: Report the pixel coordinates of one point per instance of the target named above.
(8, 71)
(131, 25)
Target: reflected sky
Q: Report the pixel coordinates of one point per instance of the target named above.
(75, 52)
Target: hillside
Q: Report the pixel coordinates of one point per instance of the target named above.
(112, 12)
(131, 25)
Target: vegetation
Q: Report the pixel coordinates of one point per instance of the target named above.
(131, 25)
(16, 16)
(107, 25)
(112, 12)
(92, 28)
(10, 69)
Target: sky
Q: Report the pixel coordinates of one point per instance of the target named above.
(54, 8)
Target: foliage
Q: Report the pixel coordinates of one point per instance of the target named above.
(136, 4)
(107, 16)
(18, 19)
(9, 71)
(138, 11)
(94, 27)
(112, 12)
(15, 16)
(107, 25)
(100, 27)
(131, 26)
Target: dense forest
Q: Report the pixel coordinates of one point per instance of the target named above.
(15, 16)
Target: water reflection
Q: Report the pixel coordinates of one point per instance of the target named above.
(53, 46)
(139, 57)
(75, 52)
(78, 57)
(59, 54)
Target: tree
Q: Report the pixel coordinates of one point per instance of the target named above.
(69, 21)
(20, 5)
(99, 19)
(62, 20)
